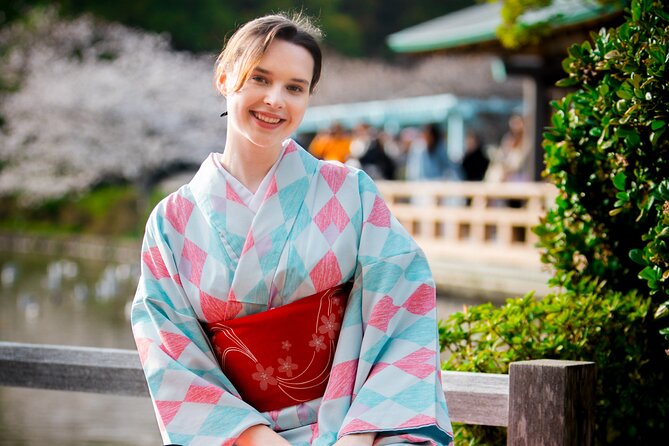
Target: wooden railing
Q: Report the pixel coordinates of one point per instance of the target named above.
(479, 221)
(542, 402)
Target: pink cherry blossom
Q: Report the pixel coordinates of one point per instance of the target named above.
(287, 366)
(317, 342)
(264, 375)
(330, 325)
(89, 117)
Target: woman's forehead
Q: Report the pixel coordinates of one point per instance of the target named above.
(287, 57)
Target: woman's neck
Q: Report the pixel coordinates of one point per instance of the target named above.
(249, 164)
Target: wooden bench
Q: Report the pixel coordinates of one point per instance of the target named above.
(542, 402)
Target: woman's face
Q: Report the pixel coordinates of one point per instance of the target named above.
(271, 103)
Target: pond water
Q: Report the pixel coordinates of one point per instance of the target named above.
(67, 301)
(70, 302)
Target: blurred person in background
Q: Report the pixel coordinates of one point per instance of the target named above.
(474, 162)
(333, 144)
(428, 158)
(405, 139)
(511, 160)
(368, 151)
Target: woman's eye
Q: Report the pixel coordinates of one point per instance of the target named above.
(295, 88)
(259, 79)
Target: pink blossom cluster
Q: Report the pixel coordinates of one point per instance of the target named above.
(98, 100)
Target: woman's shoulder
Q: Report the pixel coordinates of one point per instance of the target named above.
(337, 174)
(331, 169)
(175, 206)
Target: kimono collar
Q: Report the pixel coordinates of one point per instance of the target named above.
(255, 240)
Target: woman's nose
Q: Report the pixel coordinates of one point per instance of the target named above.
(274, 97)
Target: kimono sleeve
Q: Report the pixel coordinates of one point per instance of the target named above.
(193, 400)
(398, 391)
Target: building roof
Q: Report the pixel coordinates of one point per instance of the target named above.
(415, 91)
(346, 80)
(478, 24)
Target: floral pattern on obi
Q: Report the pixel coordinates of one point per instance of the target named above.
(282, 357)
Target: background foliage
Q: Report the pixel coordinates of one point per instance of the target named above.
(605, 238)
(352, 27)
(513, 33)
(109, 210)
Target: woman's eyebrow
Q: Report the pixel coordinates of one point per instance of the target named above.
(268, 72)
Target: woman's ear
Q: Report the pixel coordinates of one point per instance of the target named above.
(220, 82)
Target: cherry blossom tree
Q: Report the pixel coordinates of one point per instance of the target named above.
(98, 101)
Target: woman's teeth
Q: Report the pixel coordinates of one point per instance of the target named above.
(267, 119)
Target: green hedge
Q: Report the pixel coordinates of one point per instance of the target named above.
(605, 327)
(108, 210)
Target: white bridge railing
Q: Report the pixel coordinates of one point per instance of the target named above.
(483, 222)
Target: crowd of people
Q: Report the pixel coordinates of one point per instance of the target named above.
(421, 153)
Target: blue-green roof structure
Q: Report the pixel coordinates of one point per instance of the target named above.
(478, 24)
(401, 112)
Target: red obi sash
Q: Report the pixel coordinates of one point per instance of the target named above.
(282, 357)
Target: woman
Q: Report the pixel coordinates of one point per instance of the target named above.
(428, 159)
(510, 162)
(272, 271)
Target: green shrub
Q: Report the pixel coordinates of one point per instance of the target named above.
(597, 325)
(606, 238)
(108, 210)
(609, 156)
(515, 33)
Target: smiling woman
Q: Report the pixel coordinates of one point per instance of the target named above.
(265, 110)
(278, 296)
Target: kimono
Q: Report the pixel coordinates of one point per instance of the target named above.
(208, 257)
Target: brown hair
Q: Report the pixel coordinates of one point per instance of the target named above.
(248, 45)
